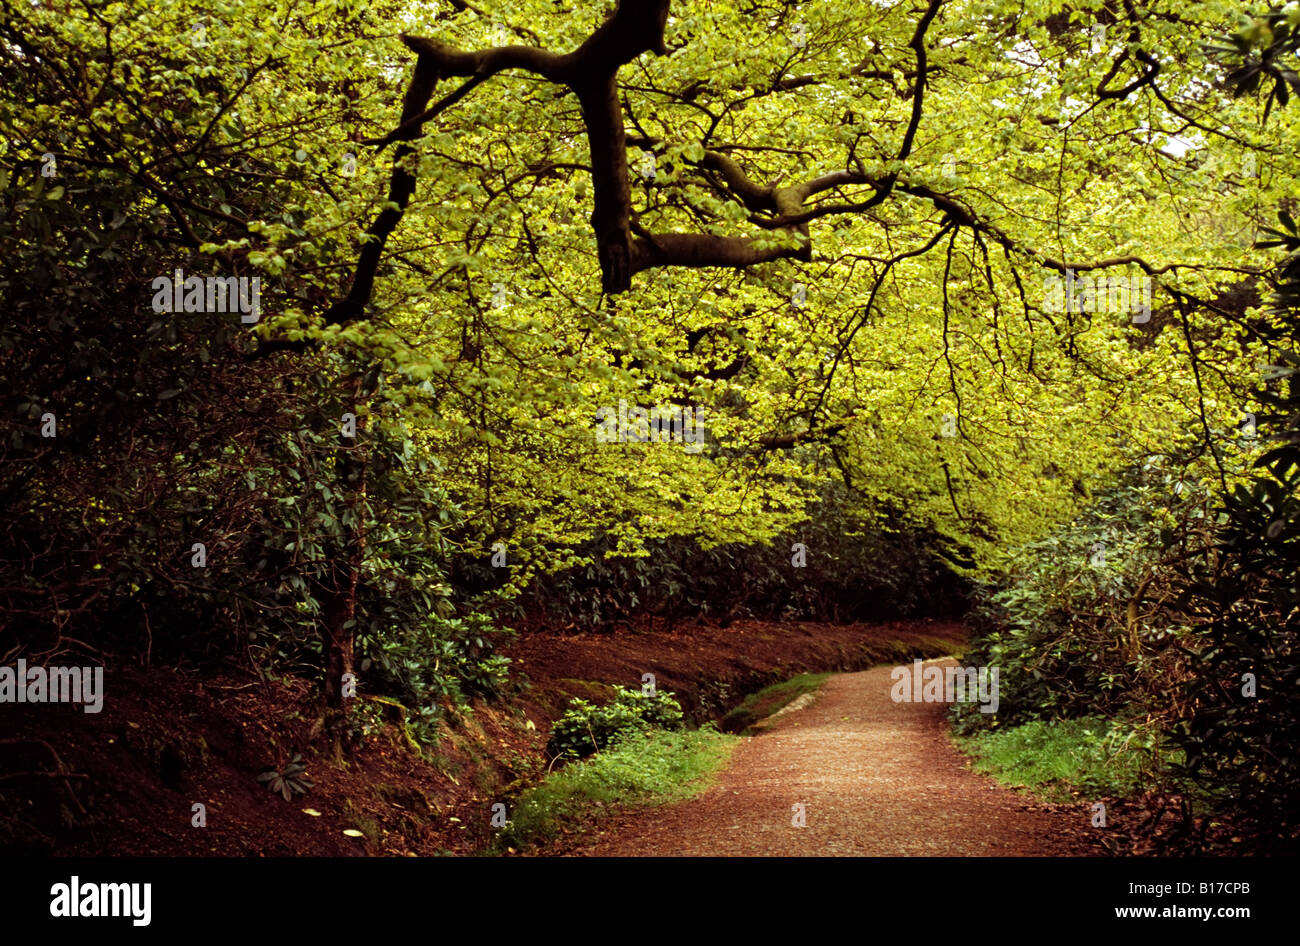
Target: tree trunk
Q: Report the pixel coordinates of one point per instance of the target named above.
(339, 607)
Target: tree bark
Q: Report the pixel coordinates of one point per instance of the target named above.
(339, 605)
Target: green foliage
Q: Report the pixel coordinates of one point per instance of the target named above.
(1082, 622)
(1056, 758)
(292, 781)
(1263, 50)
(1240, 737)
(640, 768)
(854, 386)
(224, 153)
(1286, 294)
(1244, 720)
(185, 427)
(433, 663)
(177, 428)
(854, 566)
(585, 728)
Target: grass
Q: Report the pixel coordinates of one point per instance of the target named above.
(644, 768)
(768, 700)
(1053, 758)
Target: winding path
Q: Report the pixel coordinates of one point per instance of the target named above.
(875, 777)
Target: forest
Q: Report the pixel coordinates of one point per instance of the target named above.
(440, 427)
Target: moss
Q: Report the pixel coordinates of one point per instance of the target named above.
(765, 702)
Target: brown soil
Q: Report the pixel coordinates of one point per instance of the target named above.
(874, 777)
(168, 739)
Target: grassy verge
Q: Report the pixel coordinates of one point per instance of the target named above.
(646, 768)
(1052, 759)
(768, 700)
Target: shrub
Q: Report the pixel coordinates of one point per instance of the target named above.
(434, 662)
(660, 710)
(586, 728)
(1084, 623)
(1244, 720)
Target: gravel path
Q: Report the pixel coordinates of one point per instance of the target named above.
(876, 778)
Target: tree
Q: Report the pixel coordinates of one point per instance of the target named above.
(841, 231)
(723, 116)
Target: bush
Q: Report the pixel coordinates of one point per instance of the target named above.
(660, 710)
(1084, 621)
(586, 728)
(435, 662)
(1244, 723)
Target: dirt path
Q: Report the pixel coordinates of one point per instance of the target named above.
(875, 778)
